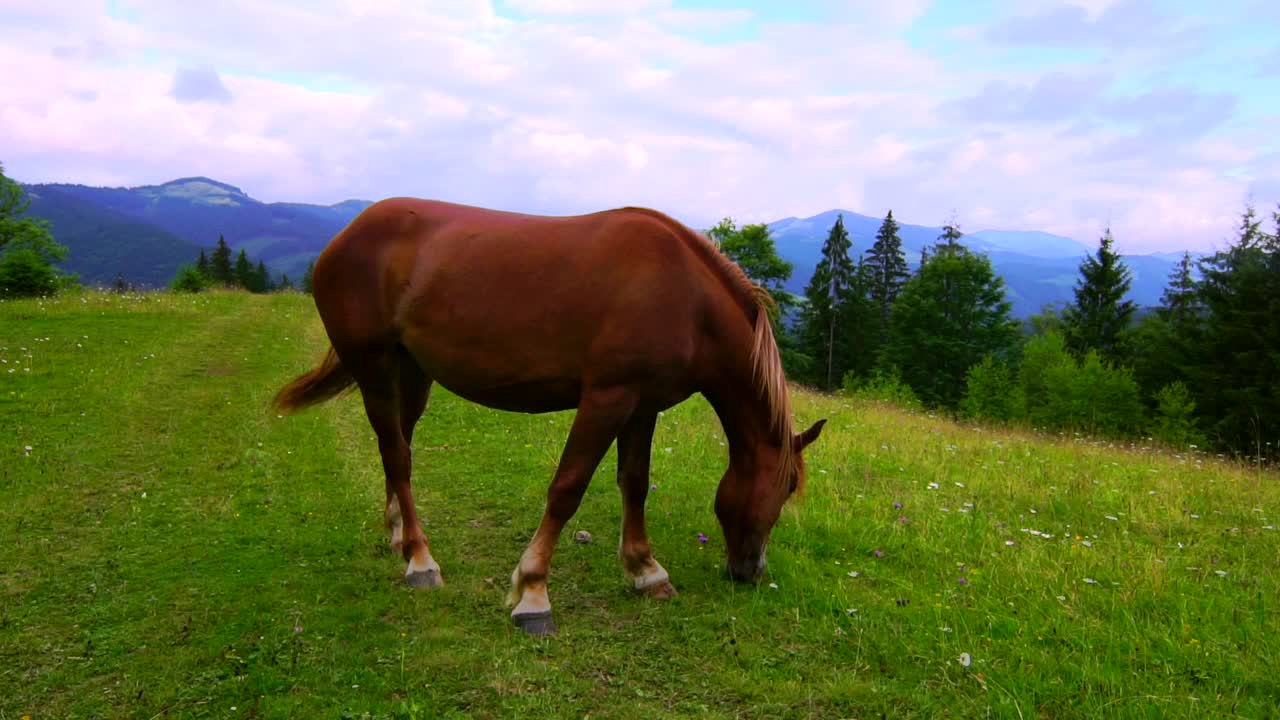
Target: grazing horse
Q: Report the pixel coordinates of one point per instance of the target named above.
(618, 314)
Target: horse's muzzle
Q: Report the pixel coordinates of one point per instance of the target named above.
(749, 569)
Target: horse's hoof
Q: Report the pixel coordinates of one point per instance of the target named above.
(424, 579)
(538, 624)
(661, 591)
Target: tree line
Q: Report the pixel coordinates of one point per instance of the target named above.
(29, 255)
(1200, 370)
(218, 270)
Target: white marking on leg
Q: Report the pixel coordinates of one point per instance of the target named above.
(652, 574)
(528, 599)
(417, 565)
(396, 523)
(533, 600)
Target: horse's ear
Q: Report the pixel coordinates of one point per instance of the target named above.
(804, 439)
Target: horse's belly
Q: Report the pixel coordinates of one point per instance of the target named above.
(495, 374)
(527, 397)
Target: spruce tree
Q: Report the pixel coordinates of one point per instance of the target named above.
(950, 237)
(202, 265)
(306, 277)
(1251, 234)
(887, 269)
(261, 279)
(285, 282)
(1178, 301)
(859, 319)
(949, 316)
(829, 289)
(220, 264)
(1100, 312)
(1163, 342)
(1234, 367)
(243, 272)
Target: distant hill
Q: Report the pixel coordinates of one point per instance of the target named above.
(1038, 268)
(197, 210)
(147, 232)
(103, 243)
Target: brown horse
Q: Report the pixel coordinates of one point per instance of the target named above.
(617, 314)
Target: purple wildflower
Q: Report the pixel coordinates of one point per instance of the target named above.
(702, 538)
(879, 553)
(897, 505)
(963, 581)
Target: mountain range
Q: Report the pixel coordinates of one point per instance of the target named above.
(145, 233)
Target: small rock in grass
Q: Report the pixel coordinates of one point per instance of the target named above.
(582, 537)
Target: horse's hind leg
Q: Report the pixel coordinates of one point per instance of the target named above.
(394, 397)
(601, 415)
(634, 444)
(413, 391)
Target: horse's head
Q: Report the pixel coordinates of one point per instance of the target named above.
(751, 497)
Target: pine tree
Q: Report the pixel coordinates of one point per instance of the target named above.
(1234, 368)
(261, 279)
(220, 264)
(1178, 302)
(202, 265)
(949, 316)
(1099, 314)
(829, 290)
(950, 237)
(887, 266)
(1163, 343)
(306, 277)
(243, 272)
(859, 319)
(1251, 235)
(285, 283)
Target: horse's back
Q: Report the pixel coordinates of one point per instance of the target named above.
(498, 305)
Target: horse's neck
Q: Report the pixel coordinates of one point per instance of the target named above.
(731, 388)
(745, 417)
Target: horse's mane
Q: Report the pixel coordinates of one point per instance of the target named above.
(766, 362)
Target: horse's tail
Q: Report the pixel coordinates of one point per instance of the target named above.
(325, 382)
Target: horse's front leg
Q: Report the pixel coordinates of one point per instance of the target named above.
(634, 446)
(601, 415)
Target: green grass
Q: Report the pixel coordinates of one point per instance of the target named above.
(169, 547)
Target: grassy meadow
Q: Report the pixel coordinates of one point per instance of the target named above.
(171, 548)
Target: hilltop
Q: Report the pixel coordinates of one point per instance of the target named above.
(147, 232)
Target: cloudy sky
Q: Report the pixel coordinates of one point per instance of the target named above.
(1159, 118)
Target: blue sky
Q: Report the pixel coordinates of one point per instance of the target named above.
(1158, 119)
